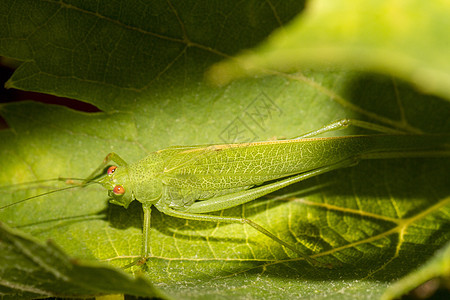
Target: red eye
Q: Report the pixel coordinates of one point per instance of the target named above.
(111, 170)
(118, 190)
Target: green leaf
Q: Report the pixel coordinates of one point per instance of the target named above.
(143, 66)
(438, 267)
(51, 273)
(406, 39)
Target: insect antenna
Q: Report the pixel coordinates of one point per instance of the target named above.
(66, 179)
(29, 183)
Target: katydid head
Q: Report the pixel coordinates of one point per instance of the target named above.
(116, 182)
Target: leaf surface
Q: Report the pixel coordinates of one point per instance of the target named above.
(406, 39)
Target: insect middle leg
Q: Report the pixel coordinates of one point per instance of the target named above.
(145, 252)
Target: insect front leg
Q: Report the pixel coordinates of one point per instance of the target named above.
(110, 157)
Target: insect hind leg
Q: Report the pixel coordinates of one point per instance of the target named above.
(211, 218)
(344, 123)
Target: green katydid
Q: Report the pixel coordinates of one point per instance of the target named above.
(190, 182)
